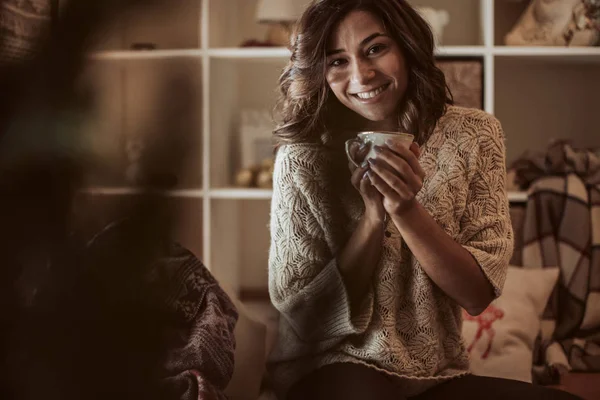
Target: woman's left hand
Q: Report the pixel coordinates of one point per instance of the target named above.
(398, 176)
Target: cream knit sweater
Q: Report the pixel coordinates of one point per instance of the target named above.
(406, 326)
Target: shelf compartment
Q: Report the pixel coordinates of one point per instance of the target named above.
(166, 25)
(537, 102)
(506, 15)
(240, 242)
(237, 86)
(464, 27)
(232, 22)
(142, 106)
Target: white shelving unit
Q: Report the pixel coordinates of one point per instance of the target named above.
(559, 54)
(537, 93)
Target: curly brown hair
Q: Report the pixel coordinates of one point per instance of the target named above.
(307, 105)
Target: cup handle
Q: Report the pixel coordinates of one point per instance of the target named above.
(348, 143)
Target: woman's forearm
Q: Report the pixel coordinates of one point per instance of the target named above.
(360, 256)
(449, 265)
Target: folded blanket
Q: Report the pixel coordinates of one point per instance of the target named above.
(560, 158)
(562, 228)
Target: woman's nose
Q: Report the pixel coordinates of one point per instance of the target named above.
(362, 72)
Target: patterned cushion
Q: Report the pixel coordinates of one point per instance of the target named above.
(500, 340)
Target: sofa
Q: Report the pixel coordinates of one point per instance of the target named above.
(501, 341)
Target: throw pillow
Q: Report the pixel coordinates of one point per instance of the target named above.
(500, 340)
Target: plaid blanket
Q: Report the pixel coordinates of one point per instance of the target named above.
(562, 228)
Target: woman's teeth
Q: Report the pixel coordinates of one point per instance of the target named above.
(371, 94)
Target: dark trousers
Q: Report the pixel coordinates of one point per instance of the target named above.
(349, 381)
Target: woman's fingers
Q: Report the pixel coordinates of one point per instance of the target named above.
(394, 186)
(382, 187)
(366, 188)
(416, 149)
(410, 155)
(398, 167)
(361, 152)
(358, 174)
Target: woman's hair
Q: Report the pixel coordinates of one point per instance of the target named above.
(307, 105)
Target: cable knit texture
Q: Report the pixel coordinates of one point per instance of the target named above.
(406, 326)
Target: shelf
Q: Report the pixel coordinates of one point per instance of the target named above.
(461, 51)
(587, 54)
(517, 197)
(282, 52)
(145, 54)
(126, 191)
(228, 193)
(250, 52)
(568, 54)
(241, 194)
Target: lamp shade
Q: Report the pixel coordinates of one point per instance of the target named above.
(279, 10)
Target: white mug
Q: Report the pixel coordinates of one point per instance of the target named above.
(378, 138)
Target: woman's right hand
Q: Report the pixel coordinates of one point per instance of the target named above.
(374, 210)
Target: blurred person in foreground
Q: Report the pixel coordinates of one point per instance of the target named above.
(370, 266)
(119, 313)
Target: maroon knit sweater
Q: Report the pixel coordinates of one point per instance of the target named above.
(197, 318)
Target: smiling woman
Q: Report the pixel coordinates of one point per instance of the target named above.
(389, 40)
(370, 264)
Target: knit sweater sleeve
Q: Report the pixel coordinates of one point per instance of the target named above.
(304, 280)
(486, 230)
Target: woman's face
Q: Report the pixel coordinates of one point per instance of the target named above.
(365, 67)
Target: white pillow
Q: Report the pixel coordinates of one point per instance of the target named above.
(501, 339)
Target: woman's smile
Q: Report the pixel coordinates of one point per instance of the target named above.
(371, 96)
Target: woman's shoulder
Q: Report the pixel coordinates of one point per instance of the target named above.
(470, 122)
(301, 149)
(298, 158)
(303, 166)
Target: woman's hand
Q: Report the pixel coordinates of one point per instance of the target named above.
(397, 175)
(374, 210)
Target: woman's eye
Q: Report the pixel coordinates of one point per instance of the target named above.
(337, 62)
(375, 49)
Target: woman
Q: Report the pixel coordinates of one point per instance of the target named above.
(370, 267)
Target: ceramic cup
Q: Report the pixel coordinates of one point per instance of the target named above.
(379, 138)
